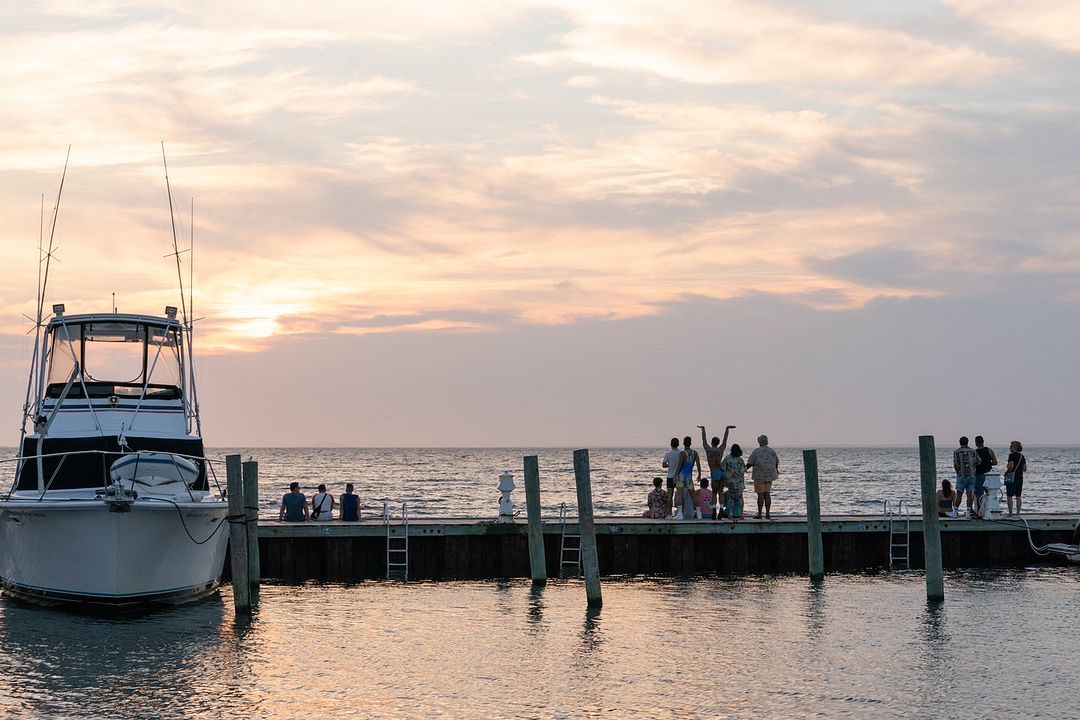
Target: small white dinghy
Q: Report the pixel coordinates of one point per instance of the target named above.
(155, 473)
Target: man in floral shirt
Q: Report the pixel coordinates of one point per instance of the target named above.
(658, 501)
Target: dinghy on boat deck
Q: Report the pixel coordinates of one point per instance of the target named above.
(156, 473)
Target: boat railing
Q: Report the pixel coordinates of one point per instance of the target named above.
(210, 463)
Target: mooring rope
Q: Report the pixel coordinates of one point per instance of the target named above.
(237, 519)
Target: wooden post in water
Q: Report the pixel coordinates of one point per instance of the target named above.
(935, 583)
(813, 517)
(537, 560)
(590, 563)
(238, 550)
(251, 523)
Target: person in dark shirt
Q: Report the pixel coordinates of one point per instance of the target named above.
(986, 460)
(350, 504)
(293, 505)
(1016, 468)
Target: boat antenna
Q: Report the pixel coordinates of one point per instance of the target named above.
(176, 248)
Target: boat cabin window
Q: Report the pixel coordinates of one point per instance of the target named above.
(116, 358)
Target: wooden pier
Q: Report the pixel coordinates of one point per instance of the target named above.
(463, 548)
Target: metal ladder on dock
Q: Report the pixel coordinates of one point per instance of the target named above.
(569, 555)
(397, 545)
(899, 534)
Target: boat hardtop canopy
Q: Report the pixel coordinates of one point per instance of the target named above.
(156, 320)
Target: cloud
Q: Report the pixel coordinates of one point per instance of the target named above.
(1051, 23)
(751, 43)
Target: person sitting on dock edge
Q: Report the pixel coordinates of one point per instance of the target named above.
(671, 462)
(714, 456)
(349, 504)
(322, 505)
(659, 501)
(766, 465)
(945, 506)
(293, 505)
(965, 460)
(705, 501)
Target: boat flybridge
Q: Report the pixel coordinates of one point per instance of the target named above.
(111, 502)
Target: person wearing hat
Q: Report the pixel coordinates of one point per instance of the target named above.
(766, 466)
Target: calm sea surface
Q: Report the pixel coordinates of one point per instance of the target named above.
(860, 646)
(463, 482)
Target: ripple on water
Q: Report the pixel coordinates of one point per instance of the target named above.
(857, 646)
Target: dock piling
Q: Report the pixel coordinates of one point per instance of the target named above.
(589, 559)
(251, 524)
(813, 517)
(238, 547)
(537, 560)
(935, 584)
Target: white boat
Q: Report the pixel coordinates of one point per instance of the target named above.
(111, 502)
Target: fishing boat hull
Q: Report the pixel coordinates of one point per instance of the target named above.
(118, 553)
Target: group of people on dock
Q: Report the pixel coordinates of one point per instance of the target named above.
(721, 495)
(972, 466)
(294, 505)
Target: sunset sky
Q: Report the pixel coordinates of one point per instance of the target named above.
(565, 223)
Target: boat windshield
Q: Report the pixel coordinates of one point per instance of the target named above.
(116, 358)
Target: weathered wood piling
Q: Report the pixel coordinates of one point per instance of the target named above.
(935, 582)
(537, 559)
(814, 545)
(590, 562)
(238, 547)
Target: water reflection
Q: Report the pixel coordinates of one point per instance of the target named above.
(857, 646)
(54, 661)
(536, 607)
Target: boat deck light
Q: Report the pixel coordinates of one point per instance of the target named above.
(170, 312)
(58, 309)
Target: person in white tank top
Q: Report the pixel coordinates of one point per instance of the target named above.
(322, 505)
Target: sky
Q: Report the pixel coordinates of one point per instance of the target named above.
(555, 223)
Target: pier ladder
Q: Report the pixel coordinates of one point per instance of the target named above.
(397, 544)
(899, 534)
(569, 548)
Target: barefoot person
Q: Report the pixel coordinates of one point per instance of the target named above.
(714, 456)
(766, 467)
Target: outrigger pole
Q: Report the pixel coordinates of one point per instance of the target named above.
(193, 405)
(42, 284)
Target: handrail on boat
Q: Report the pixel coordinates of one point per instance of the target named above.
(210, 462)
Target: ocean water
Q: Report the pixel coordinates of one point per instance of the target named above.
(463, 482)
(1002, 645)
